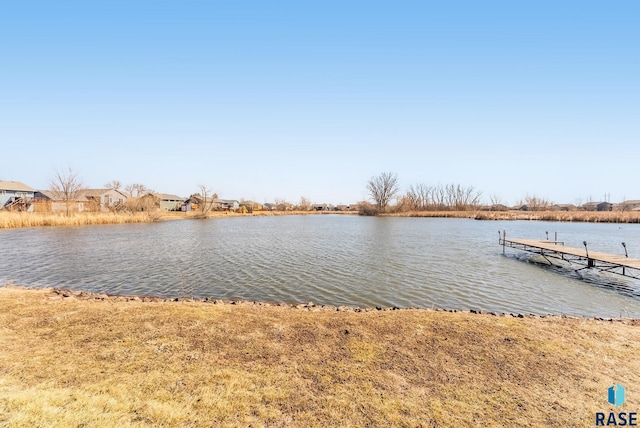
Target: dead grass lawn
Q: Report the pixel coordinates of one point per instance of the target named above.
(70, 362)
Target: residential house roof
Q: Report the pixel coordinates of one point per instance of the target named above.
(590, 205)
(92, 193)
(15, 186)
(249, 203)
(566, 207)
(54, 196)
(169, 197)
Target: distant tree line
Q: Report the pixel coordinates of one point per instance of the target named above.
(384, 188)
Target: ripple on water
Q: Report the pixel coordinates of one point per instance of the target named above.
(334, 260)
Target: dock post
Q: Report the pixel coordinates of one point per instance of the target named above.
(590, 262)
(504, 237)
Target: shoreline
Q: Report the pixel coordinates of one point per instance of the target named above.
(617, 217)
(62, 293)
(87, 362)
(16, 220)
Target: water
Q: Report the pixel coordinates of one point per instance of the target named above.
(334, 260)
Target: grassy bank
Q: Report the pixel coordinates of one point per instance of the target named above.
(67, 361)
(577, 216)
(9, 220)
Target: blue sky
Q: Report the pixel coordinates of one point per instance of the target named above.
(283, 99)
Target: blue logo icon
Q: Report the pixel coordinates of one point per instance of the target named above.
(616, 395)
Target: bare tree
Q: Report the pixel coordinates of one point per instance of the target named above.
(113, 185)
(536, 203)
(495, 199)
(66, 186)
(140, 197)
(578, 202)
(443, 197)
(419, 196)
(304, 204)
(382, 189)
(137, 190)
(440, 197)
(463, 198)
(281, 204)
(208, 198)
(403, 204)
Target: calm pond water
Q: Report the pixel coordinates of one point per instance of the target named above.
(328, 259)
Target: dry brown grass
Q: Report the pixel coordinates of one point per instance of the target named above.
(18, 219)
(10, 220)
(72, 362)
(578, 216)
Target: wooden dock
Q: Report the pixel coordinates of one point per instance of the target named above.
(583, 257)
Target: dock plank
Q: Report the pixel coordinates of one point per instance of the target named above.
(578, 252)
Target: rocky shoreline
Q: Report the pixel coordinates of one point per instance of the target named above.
(60, 293)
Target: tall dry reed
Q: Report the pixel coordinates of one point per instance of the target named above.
(9, 220)
(577, 216)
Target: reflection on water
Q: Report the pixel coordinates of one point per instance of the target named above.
(336, 260)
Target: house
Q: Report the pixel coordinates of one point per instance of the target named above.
(48, 201)
(226, 204)
(564, 207)
(269, 206)
(284, 206)
(195, 203)
(192, 203)
(104, 199)
(94, 200)
(251, 206)
(633, 205)
(590, 206)
(604, 206)
(168, 202)
(15, 195)
(494, 207)
(320, 207)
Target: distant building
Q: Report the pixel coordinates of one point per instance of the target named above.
(226, 204)
(604, 206)
(48, 201)
(16, 196)
(251, 206)
(494, 207)
(632, 205)
(564, 207)
(94, 200)
(590, 206)
(104, 199)
(167, 202)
